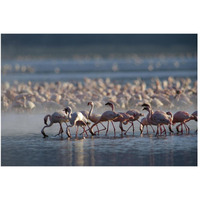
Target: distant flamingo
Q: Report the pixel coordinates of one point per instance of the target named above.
(144, 122)
(182, 117)
(106, 116)
(76, 119)
(157, 118)
(56, 117)
(123, 118)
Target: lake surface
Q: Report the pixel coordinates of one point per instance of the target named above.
(22, 144)
(121, 70)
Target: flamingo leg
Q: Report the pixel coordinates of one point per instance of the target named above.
(161, 131)
(84, 131)
(68, 131)
(177, 128)
(90, 129)
(103, 128)
(152, 128)
(147, 129)
(97, 129)
(133, 127)
(182, 128)
(107, 128)
(187, 128)
(170, 128)
(113, 127)
(141, 128)
(42, 131)
(157, 133)
(128, 128)
(121, 127)
(77, 127)
(165, 130)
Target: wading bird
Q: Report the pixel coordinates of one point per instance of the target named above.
(76, 119)
(122, 118)
(57, 117)
(135, 116)
(144, 122)
(93, 117)
(107, 116)
(182, 117)
(157, 118)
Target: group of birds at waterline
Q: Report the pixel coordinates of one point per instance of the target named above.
(84, 118)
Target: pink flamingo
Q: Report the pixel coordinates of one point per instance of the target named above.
(182, 117)
(94, 117)
(122, 118)
(136, 115)
(106, 117)
(157, 118)
(56, 117)
(195, 114)
(144, 122)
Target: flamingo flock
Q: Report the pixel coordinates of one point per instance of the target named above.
(124, 104)
(83, 119)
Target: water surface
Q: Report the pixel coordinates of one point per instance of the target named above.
(24, 146)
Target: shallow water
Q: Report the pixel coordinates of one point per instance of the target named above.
(22, 144)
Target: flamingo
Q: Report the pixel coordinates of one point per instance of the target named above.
(196, 116)
(106, 116)
(171, 120)
(157, 118)
(123, 118)
(76, 119)
(94, 117)
(136, 115)
(56, 117)
(182, 117)
(144, 122)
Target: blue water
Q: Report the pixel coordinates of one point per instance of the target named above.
(121, 70)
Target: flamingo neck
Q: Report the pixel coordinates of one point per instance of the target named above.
(149, 116)
(91, 110)
(113, 108)
(70, 114)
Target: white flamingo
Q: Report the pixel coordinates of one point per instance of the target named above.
(93, 117)
(57, 117)
(76, 119)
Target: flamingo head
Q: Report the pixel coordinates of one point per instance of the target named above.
(146, 108)
(146, 105)
(90, 103)
(108, 104)
(67, 109)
